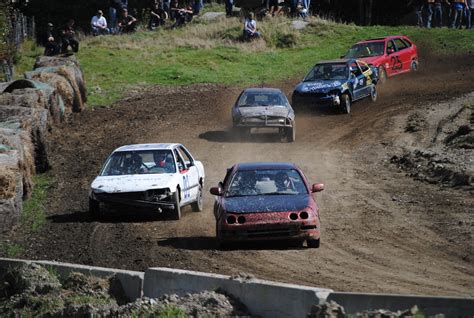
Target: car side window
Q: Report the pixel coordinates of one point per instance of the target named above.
(355, 69)
(400, 44)
(407, 43)
(390, 47)
(364, 67)
(180, 161)
(186, 156)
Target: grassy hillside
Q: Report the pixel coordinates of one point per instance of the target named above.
(211, 52)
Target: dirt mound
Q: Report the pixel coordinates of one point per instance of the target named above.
(444, 144)
(32, 290)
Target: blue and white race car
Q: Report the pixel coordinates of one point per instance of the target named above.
(337, 83)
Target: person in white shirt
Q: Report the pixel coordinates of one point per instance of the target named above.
(250, 27)
(99, 24)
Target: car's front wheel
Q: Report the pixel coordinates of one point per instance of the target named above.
(291, 133)
(177, 208)
(94, 209)
(346, 104)
(382, 75)
(312, 243)
(198, 204)
(373, 94)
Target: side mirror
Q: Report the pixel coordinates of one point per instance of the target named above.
(317, 187)
(189, 164)
(390, 51)
(216, 191)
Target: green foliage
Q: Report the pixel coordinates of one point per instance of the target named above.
(33, 209)
(12, 250)
(212, 52)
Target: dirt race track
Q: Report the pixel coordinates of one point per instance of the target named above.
(382, 230)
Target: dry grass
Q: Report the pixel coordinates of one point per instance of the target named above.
(7, 184)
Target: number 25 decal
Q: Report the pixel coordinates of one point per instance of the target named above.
(396, 63)
(186, 191)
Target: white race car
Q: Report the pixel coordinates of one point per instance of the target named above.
(156, 176)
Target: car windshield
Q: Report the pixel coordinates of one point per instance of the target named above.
(139, 162)
(249, 99)
(367, 49)
(328, 72)
(266, 182)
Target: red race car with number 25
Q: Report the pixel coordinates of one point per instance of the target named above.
(392, 55)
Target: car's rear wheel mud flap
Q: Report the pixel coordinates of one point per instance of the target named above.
(198, 204)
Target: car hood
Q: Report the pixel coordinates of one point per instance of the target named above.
(279, 111)
(319, 86)
(266, 203)
(132, 183)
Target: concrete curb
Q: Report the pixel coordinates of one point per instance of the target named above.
(429, 305)
(262, 298)
(132, 282)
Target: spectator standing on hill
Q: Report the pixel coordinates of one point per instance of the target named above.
(157, 15)
(438, 13)
(51, 45)
(229, 7)
(127, 22)
(69, 37)
(115, 7)
(417, 6)
(457, 13)
(250, 27)
(99, 24)
(470, 13)
(198, 6)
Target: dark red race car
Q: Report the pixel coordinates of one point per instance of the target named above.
(392, 55)
(266, 201)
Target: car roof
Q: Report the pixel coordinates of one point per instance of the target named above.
(138, 147)
(265, 165)
(338, 61)
(390, 37)
(262, 90)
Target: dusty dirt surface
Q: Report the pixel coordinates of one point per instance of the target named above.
(382, 230)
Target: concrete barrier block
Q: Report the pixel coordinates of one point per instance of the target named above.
(132, 282)
(262, 298)
(430, 305)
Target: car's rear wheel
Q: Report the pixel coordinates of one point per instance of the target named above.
(176, 213)
(345, 104)
(312, 243)
(373, 94)
(197, 206)
(414, 66)
(382, 75)
(94, 209)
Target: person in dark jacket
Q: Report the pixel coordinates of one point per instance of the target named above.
(51, 44)
(69, 37)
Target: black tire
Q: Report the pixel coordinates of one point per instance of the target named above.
(94, 209)
(198, 205)
(219, 243)
(382, 75)
(176, 213)
(312, 243)
(414, 66)
(345, 104)
(291, 133)
(373, 94)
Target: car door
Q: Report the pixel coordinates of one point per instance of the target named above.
(190, 175)
(359, 81)
(404, 53)
(395, 63)
(367, 72)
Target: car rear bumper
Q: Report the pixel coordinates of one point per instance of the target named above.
(263, 121)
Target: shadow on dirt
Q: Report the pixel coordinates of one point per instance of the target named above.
(231, 137)
(209, 243)
(111, 217)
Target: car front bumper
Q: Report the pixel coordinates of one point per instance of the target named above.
(318, 99)
(136, 199)
(280, 231)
